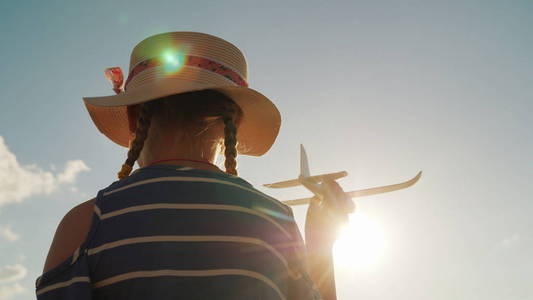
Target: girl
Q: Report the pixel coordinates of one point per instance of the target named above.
(179, 227)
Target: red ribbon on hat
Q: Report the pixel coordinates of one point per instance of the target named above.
(116, 77)
(194, 62)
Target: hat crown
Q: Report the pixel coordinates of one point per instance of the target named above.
(191, 44)
(180, 62)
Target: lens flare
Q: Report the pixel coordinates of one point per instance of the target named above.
(360, 244)
(173, 61)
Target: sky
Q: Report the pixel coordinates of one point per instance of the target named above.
(381, 89)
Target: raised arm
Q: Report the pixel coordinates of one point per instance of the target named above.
(322, 225)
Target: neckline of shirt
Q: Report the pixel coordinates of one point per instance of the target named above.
(209, 173)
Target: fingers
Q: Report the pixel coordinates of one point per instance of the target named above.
(339, 201)
(325, 217)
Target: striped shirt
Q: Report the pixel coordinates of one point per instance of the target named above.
(170, 232)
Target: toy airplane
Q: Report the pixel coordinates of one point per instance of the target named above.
(316, 183)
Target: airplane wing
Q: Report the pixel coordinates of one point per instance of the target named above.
(298, 201)
(386, 188)
(365, 192)
(283, 184)
(316, 179)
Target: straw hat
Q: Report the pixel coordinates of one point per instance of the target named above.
(177, 62)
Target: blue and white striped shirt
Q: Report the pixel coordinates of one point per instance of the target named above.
(170, 232)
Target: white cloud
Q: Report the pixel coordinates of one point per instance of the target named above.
(8, 291)
(511, 240)
(12, 273)
(19, 182)
(8, 234)
(72, 169)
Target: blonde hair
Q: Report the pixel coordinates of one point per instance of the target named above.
(190, 112)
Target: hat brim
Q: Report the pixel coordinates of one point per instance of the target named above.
(257, 131)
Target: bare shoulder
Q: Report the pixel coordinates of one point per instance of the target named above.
(70, 233)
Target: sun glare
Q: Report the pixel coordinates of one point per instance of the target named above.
(173, 60)
(360, 244)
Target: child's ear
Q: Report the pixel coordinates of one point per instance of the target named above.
(133, 114)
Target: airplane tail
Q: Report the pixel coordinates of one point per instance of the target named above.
(304, 165)
(304, 173)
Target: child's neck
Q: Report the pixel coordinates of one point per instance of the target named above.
(191, 163)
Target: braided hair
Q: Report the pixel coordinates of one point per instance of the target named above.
(230, 141)
(189, 112)
(141, 133)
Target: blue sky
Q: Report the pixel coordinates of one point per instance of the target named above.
(380, 89)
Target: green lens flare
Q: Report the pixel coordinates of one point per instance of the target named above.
(173, 61)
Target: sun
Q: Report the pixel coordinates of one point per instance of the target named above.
(360, 245)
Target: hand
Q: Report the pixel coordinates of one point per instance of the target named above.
(325, 218)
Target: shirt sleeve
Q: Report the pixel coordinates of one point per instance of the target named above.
(69, 280)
